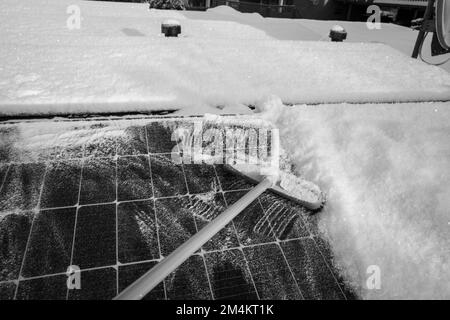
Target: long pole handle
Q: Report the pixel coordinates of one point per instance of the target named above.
(158, 273)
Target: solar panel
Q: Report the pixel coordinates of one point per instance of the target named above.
(105, 195)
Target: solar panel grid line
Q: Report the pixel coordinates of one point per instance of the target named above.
(207, 277)
(41, 276)
(320, 252)
(156, 260)
(323, 257)
(236, 190)
(251, 275)
(290, 269)
(29, 234)
(117, 229)
(218, 180)
(81, 206)
(92, 204)
(4, 177)
(154, 206)
(254, 245)
(64, 274)
(16, 211)
(8, 281)
(43, 288)
(60, 273)
(76, 218)
(94, 241)
(113, 202)
(329, 268)
(31, 227)
(277, 242)
(184, 175)
(203, 260)
(233, 226)
(298, 254)
(124, 264)
(272, 273)
(84, 269)
(240, 248)
(87, 158)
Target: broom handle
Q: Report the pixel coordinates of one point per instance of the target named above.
(138, 289)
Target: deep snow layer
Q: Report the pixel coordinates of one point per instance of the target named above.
(386, 169)
(118, 61)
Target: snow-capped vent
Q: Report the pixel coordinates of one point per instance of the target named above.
(171, 28)
(338, 33)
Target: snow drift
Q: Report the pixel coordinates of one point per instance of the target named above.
(386, 170)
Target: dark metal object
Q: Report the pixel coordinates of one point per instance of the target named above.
(170, 30)
(338, 36)
(424, 28)
(426, 25)
(436, 47)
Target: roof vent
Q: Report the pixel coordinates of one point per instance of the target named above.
(338, 33)
(171, 28)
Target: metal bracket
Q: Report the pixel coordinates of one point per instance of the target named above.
(427, 26)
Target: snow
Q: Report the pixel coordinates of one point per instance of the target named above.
(337, 28)
(118, 61)
(171, 22)
(395, 36)
(386, 170)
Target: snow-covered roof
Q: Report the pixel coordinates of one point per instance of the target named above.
(118, 61)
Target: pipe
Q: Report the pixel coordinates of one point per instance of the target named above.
(421, 36)
(138, 289)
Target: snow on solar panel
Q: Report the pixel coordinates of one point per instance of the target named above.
(106, 197)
